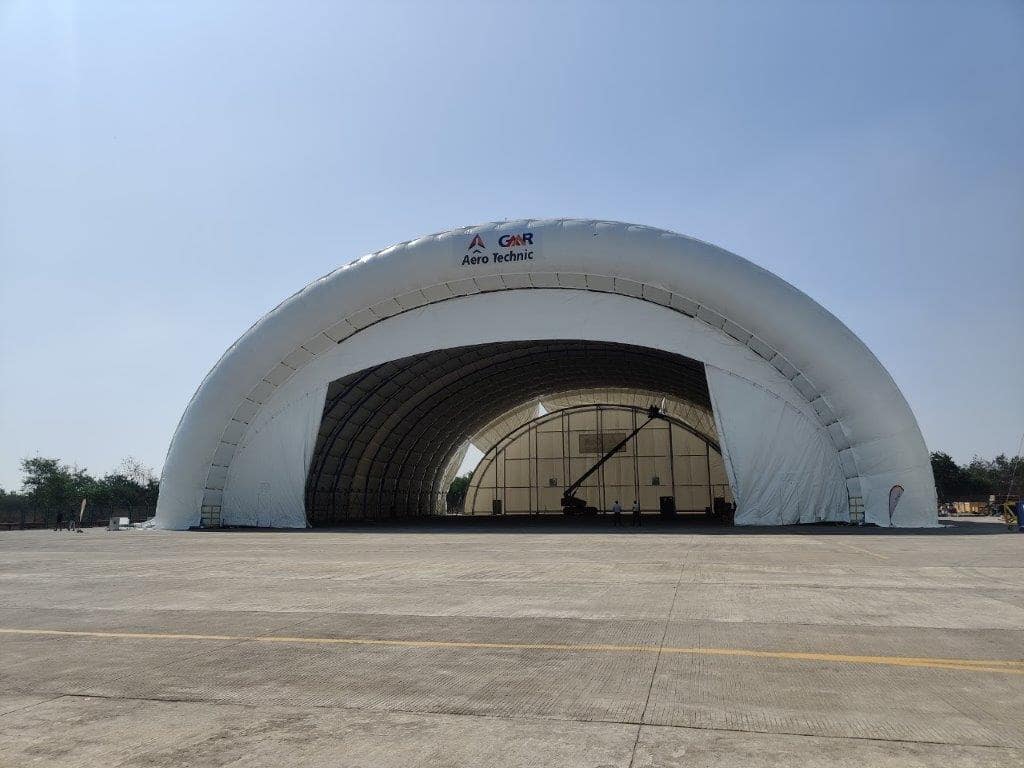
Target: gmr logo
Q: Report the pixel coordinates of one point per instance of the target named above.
(514, 241)
(477, 244)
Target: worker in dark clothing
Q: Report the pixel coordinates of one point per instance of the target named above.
(636, 514)
(59, 524)
(617, 514)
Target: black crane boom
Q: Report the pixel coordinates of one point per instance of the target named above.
(571, 503)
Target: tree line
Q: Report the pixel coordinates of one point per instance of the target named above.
(50, 487)
(979, 479)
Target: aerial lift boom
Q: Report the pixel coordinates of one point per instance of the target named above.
(571, 503)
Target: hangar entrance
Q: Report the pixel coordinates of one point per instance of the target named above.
(392, 437)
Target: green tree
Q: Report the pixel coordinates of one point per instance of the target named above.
(982, 477)
(53, 487)
(132, 486)
(13, 506)
(457, 491)
(50, 486)
(998, 477)
(947, 476)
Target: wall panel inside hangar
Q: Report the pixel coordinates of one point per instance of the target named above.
(526, 471)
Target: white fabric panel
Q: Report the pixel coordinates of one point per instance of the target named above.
(267, 480)
(511, 315)
(782, 465)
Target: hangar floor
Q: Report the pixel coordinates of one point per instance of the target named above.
(496, 647)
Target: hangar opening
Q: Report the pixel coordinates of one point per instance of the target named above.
(601, 453)
(543, 343)
(391, 437)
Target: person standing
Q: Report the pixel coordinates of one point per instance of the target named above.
(636, 514)
(59, 525)
(617, 514)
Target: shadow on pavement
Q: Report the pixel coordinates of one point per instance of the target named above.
(681, 524)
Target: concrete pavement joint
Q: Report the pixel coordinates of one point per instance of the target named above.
(53, 697)
(857, 549)
(654, 672)
(528, 719)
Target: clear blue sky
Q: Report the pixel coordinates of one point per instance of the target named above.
(170, 171)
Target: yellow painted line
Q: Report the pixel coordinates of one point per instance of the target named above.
(1010, 667)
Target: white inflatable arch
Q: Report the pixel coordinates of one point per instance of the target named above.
(361, 391)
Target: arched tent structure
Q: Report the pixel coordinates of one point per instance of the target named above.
(360, 392)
